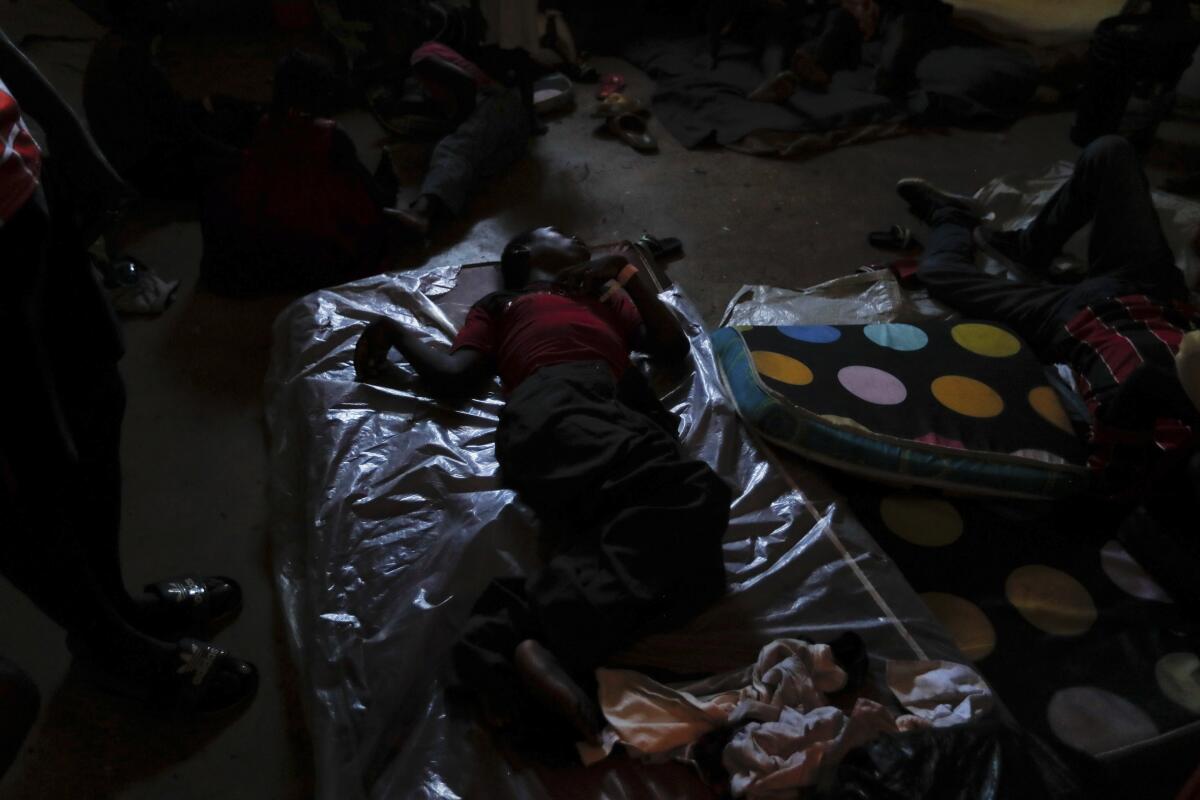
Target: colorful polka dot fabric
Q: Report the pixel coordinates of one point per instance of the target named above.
(1080, 643)
(961, 405)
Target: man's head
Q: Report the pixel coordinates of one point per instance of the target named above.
(304, 82)
(543, 250)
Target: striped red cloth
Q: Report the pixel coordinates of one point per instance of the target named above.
(20, 158)
(1106, 344)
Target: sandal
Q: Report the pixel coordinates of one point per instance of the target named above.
(618, 103)
(897, 238)
(610, 84)
(631, 129)
(662, 249)
(193, 605)
(202, 678)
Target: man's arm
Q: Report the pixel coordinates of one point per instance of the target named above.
(451, 375)
(663, 339)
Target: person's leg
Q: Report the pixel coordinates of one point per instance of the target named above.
(1109, 189)
(494, 136)
(94, 407)
(839, 45)
(635, 520)
(948, 271)
(483, 656)
(907, 37)
(636, 528)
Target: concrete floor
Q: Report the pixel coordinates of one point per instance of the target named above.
(194, 444)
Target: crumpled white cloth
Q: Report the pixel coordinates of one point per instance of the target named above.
(775, 759)
(789, 733)
(652, 718)
(941, 693)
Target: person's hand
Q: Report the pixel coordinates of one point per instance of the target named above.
(590, 278)
(371, 350)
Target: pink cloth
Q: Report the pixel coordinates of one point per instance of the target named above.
(452, 56)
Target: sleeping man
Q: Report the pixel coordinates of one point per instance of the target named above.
(633, 526)
(1127, 329)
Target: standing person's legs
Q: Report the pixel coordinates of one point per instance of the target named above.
(1109, 189)
(949, 272)
(60, 490)
(19, 702)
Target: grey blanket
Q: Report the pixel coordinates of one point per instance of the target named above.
(967, 84)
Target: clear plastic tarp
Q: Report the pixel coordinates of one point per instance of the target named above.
(389, 520)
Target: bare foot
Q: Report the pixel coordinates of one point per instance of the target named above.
(544, 676)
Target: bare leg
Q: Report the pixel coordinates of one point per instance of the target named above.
(548, 681)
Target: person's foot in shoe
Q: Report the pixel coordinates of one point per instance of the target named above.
(188, 605)
(189, 677)
(415, 221)
(548, 681)
(924, 200)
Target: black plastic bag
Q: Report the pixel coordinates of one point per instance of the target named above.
(976, 761)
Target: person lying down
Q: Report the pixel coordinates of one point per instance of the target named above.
(633, 525)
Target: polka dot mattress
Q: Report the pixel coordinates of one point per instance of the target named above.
(958, 405)
(1081, 644)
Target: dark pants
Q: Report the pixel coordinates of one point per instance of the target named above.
(60, 516)
(634, 527)
(1127, 252)
(19, 703)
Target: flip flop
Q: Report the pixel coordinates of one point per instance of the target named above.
(661, 249)
(610, 84)
(631, 129)
(618, 103)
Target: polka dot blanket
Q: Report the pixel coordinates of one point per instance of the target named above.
(960, 405)
(1080, 643)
